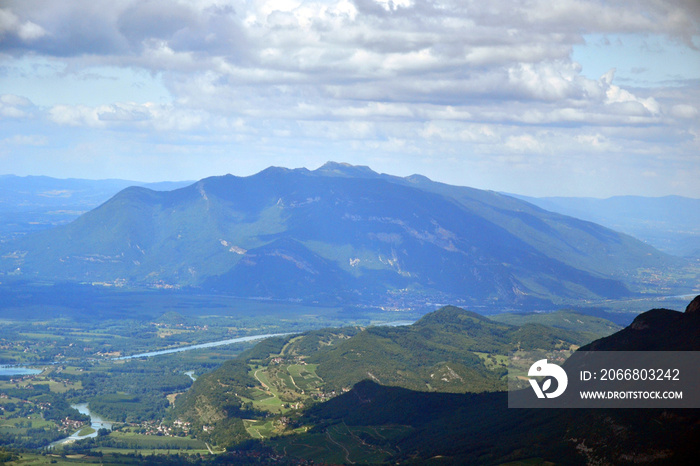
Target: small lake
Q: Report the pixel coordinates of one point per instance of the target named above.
(18, 370)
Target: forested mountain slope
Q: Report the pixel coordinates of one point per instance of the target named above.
(336, 233)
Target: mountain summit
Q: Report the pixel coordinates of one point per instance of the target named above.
(340, 232)
(481, 428)
(656, 330)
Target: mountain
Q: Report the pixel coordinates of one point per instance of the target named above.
(34, 203)
(439, 352)
(656, 330)
(589, 326)
(669, 223)
(380, 424)
(387, 423)
(450, 350)
(393, 425)
(337, 234)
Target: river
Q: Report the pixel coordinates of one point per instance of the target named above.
(20, 370)
(9, 369)
(201, 345)
(96, 422)
(211, 344)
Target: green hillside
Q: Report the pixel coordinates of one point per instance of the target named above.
(590, 326)
(450, 350)
(337, 234)
(437, 353)
(376, 424)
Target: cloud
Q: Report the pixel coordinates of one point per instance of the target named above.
(623, 99)
(684, 111)
(324, 35)
(393, 76)
(123, 113)
(14, 106)
(524, 143)
(25, 140)
(138, 117)
(11, 27)
(75, 115)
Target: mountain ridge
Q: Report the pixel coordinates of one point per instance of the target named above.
(480, 428)
(450, 350)
(669, 223)
(389, 423)
(367, 233)
(656, 330)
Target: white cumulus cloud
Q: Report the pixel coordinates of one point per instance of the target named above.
(434, 78)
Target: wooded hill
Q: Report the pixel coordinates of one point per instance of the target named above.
(450, 350)
(439, 428)
(378, 424)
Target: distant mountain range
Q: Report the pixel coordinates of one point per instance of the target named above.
(340, 233)
(670, 224)
(35, 203)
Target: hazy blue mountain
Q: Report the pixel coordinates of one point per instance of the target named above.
(339, 233)
(33, 203)
(36, 193)
(670, 223)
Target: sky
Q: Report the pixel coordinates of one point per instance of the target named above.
(542, 98)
